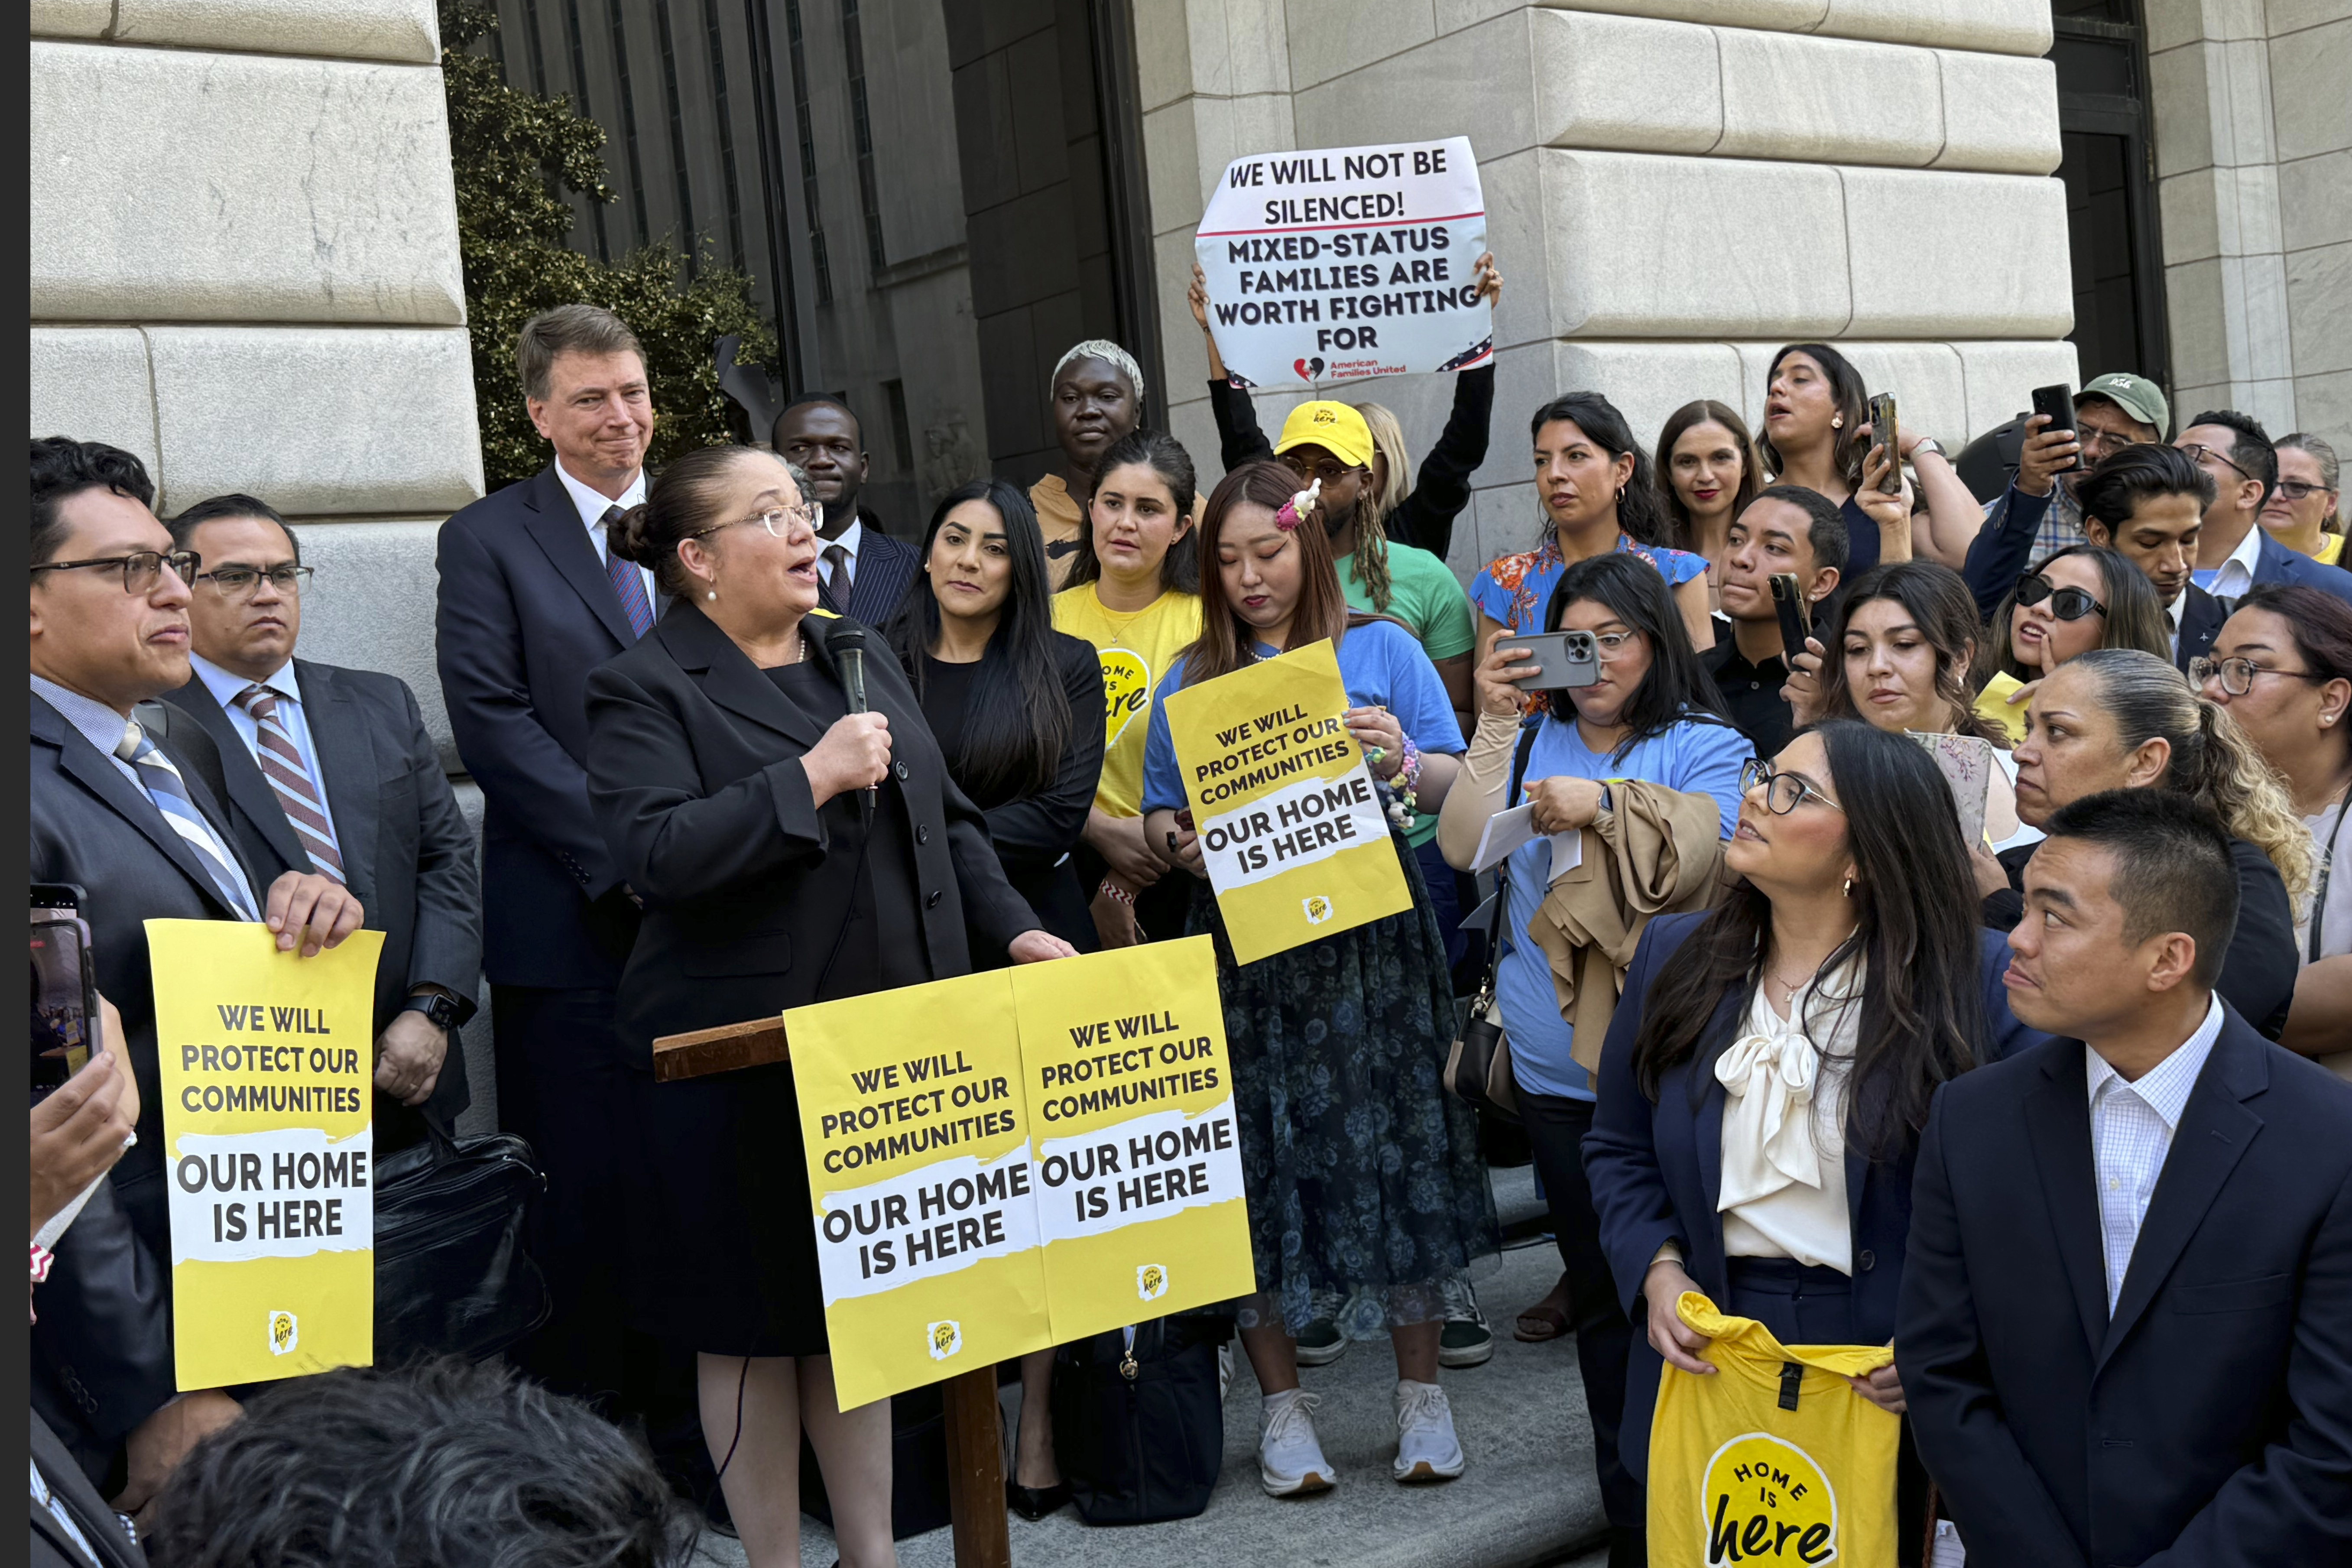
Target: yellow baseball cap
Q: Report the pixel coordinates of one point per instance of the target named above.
(1335, 427)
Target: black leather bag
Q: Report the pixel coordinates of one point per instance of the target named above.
(1479, 1064)
(451, 1275)
(919, 1466)
(1139, 1424)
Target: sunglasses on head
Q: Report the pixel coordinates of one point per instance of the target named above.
(2066, 604)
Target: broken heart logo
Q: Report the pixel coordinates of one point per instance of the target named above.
(1307, 369)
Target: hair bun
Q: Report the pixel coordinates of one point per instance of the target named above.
(625, 536)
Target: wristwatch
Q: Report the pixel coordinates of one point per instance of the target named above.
(440, 1010)
(1929, 444)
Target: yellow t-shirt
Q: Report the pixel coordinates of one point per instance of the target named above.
(1059, 520)
(1773, 1460)
(1136, 649)
(2331, 549)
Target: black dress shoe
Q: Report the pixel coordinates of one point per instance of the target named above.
(1036, 1502)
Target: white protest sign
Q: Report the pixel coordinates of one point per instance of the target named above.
(1344, 262)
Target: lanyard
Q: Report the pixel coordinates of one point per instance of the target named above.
(2326, 868)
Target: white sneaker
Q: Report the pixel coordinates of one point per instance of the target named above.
(1427, 1449)
(1224, 1370)
(1291, 1462)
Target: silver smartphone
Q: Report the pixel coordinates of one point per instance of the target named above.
(1563, 660)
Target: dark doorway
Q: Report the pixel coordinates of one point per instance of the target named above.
(2100, 54)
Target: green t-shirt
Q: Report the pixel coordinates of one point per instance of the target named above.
(1425, 595)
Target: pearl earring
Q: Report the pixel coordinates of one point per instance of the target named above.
(1837, 421)
(1849, 887)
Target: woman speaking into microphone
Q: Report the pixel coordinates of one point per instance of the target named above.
(792, 840)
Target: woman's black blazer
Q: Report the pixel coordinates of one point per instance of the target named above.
(694, 770)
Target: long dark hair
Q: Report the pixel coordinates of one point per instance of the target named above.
(1923, 1017)
(1020, 717)
(1847, 448)
(1689, 416)
(1677, 687)
(1945, 611)
(1226, 644)
(1180, 568)
(1640, 515)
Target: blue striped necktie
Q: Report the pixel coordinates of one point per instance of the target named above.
(629, 582)
(169, 791)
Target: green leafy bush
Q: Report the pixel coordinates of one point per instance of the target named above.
(514, 155)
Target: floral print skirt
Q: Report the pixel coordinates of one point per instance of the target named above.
(1363, 1175)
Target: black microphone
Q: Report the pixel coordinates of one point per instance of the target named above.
(848, 645)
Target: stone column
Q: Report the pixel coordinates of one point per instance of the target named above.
(2253, 153)
(243, 268)
(1673, 189)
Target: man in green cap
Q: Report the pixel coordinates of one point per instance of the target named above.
(2038, 514)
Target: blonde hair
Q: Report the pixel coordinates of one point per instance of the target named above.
(1388, 440)
(2213, 759)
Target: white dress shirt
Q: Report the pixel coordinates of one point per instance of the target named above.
(1783, 1191)
(592, 505)
(2132, 1125)
(2234, 576)
(282, 685)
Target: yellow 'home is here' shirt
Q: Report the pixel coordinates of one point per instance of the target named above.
(1136, 649)
(1774, 1459)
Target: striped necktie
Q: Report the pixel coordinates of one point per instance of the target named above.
(629, 582)
(169, 791)
(290, 781)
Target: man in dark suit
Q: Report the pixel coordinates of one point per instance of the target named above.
(332, 770)
(862, 571)
(2125, 1325)
(122, 816)
(72, 1527)
(2149, 502)
(531, 599)
(2235, 551)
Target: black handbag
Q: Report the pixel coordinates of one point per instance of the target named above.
(919, 1466)
(1138, 1422)
(451, 1275)
(1479, 1064)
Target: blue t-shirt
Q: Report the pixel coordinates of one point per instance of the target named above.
(1381, 665)
(1696, 757)
(1515, 589)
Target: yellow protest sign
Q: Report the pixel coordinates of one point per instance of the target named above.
(267, 1060)
(1291, 828)
(1138, 1180)
(1003, 1161)
(918, 1140)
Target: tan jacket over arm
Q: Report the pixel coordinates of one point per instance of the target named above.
(1659, 851)
(1478, 790)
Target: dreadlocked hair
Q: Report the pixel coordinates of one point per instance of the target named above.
(1372, 552)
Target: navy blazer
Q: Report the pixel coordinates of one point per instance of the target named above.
(2209, 1421)
(2202, 616)
(2274, 562)
(526, 611)
(1657, 1170)
(408, 856)
(886, 569)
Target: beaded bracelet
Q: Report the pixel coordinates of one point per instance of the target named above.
(1404, 786)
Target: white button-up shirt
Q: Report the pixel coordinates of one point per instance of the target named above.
(2234, 576)
(851, 537)
(2132, 1125)
(591, 506)
(225, 686)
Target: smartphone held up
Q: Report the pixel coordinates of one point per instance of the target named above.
(64, 987)
(1560, 660)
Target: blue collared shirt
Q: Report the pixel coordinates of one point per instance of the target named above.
(225, 687)
(93, 720)
(2132, 1124)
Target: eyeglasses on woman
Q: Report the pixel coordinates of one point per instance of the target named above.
(779, 520)
(2237, 675)
(1783, 792)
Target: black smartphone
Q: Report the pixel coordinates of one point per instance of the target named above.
(1563, 660)
(2058, 403)
(1883, 433)
(64, 986)
(1788, 603)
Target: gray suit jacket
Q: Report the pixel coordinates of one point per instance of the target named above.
(407, 852)
(51, 1546)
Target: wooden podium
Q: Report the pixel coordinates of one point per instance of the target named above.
(975, 1451)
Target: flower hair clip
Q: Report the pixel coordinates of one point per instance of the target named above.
(1297, 510)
